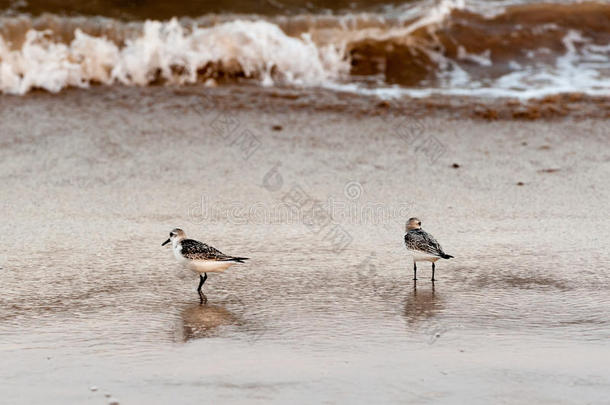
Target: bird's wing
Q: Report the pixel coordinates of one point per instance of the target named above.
(194, 250)
(418, 239)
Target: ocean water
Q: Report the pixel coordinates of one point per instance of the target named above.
(120, 120)
(514, 48)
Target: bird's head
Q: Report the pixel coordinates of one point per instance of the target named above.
(175, 235)
(413, 223)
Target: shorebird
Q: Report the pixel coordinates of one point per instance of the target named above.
(199, 257)
(422, 246)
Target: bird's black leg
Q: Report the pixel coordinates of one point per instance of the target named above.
(414, 270)
(201, 282)
(433, 272)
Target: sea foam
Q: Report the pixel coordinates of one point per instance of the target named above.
(171, 53)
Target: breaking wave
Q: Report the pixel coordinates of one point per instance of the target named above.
(523, 50)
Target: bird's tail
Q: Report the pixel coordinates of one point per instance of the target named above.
(236, 259)
(446, 256)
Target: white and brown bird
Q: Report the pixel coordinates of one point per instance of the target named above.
(422, 246)
(199, 257)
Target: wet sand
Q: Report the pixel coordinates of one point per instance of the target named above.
(325, 311)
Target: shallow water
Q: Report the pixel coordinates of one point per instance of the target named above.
(91, 186)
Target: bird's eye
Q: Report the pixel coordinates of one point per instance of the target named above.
(171, 234)
(419, 223)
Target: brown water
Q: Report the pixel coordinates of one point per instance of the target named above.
(158, 9)
(92, 181)
(516, 48)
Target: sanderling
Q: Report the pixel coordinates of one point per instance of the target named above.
(422, 246)
(199, 257)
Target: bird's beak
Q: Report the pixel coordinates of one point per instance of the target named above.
(165, 243)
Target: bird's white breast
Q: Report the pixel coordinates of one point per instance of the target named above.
(178, 252)
(420, 256)
(208, 266)
(200, 266)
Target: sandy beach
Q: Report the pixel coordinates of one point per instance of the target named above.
(315, 188)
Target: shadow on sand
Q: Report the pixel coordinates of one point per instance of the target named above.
(203, 320)
(422, 304)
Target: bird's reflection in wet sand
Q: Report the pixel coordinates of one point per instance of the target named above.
(422, 304)
(203, 320)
